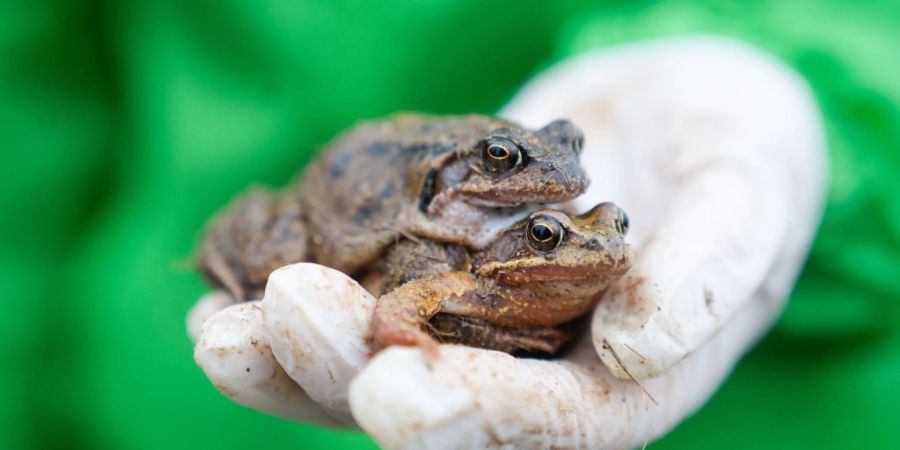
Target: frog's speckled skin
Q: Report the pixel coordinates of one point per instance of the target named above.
(410, 175)
(510, 295)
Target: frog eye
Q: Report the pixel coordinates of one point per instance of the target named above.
(544, 233)
(501, 156)
(621, 222)
(578, 144)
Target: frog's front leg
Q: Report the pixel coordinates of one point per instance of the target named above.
(401, 314)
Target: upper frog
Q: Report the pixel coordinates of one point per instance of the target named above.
(451, 179)
(455, 179)
(539, 273)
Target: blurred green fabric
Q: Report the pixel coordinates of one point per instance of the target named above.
(124, 125)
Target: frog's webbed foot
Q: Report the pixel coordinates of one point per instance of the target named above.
(388, 333)
(257, 234)
(480, 333)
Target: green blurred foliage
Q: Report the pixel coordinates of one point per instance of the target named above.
(123, 125)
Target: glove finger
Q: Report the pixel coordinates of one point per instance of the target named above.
(233, 351)
(209, 304)
(473, 398)
(319, 322)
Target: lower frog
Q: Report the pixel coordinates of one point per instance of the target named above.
(514, 294)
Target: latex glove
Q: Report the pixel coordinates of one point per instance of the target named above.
(716, 153)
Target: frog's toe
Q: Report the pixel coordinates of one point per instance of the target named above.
(541, 340)
(386, 334)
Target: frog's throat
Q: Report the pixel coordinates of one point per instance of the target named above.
(470, 225)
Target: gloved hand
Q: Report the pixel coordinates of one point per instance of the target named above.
(717, 154)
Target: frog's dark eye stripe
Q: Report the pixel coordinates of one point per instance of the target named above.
(544, 233)
(501, 156)
(428, 190)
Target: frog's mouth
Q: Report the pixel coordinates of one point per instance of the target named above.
(516, 199)
(541, 270)
(557, 186)
(478, 194)
(490, 203)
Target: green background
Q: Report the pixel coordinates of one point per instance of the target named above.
(123, 125)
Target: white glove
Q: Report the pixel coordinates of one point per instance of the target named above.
(715, 151)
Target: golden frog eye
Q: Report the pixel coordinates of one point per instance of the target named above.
(544, 233)
(501, 156)
(498, 151)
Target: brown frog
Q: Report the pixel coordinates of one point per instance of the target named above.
(542, 272)
(456, 179)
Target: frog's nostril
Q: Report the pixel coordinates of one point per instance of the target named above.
(594, 245)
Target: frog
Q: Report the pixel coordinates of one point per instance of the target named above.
(454, 179)
(515, 294)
